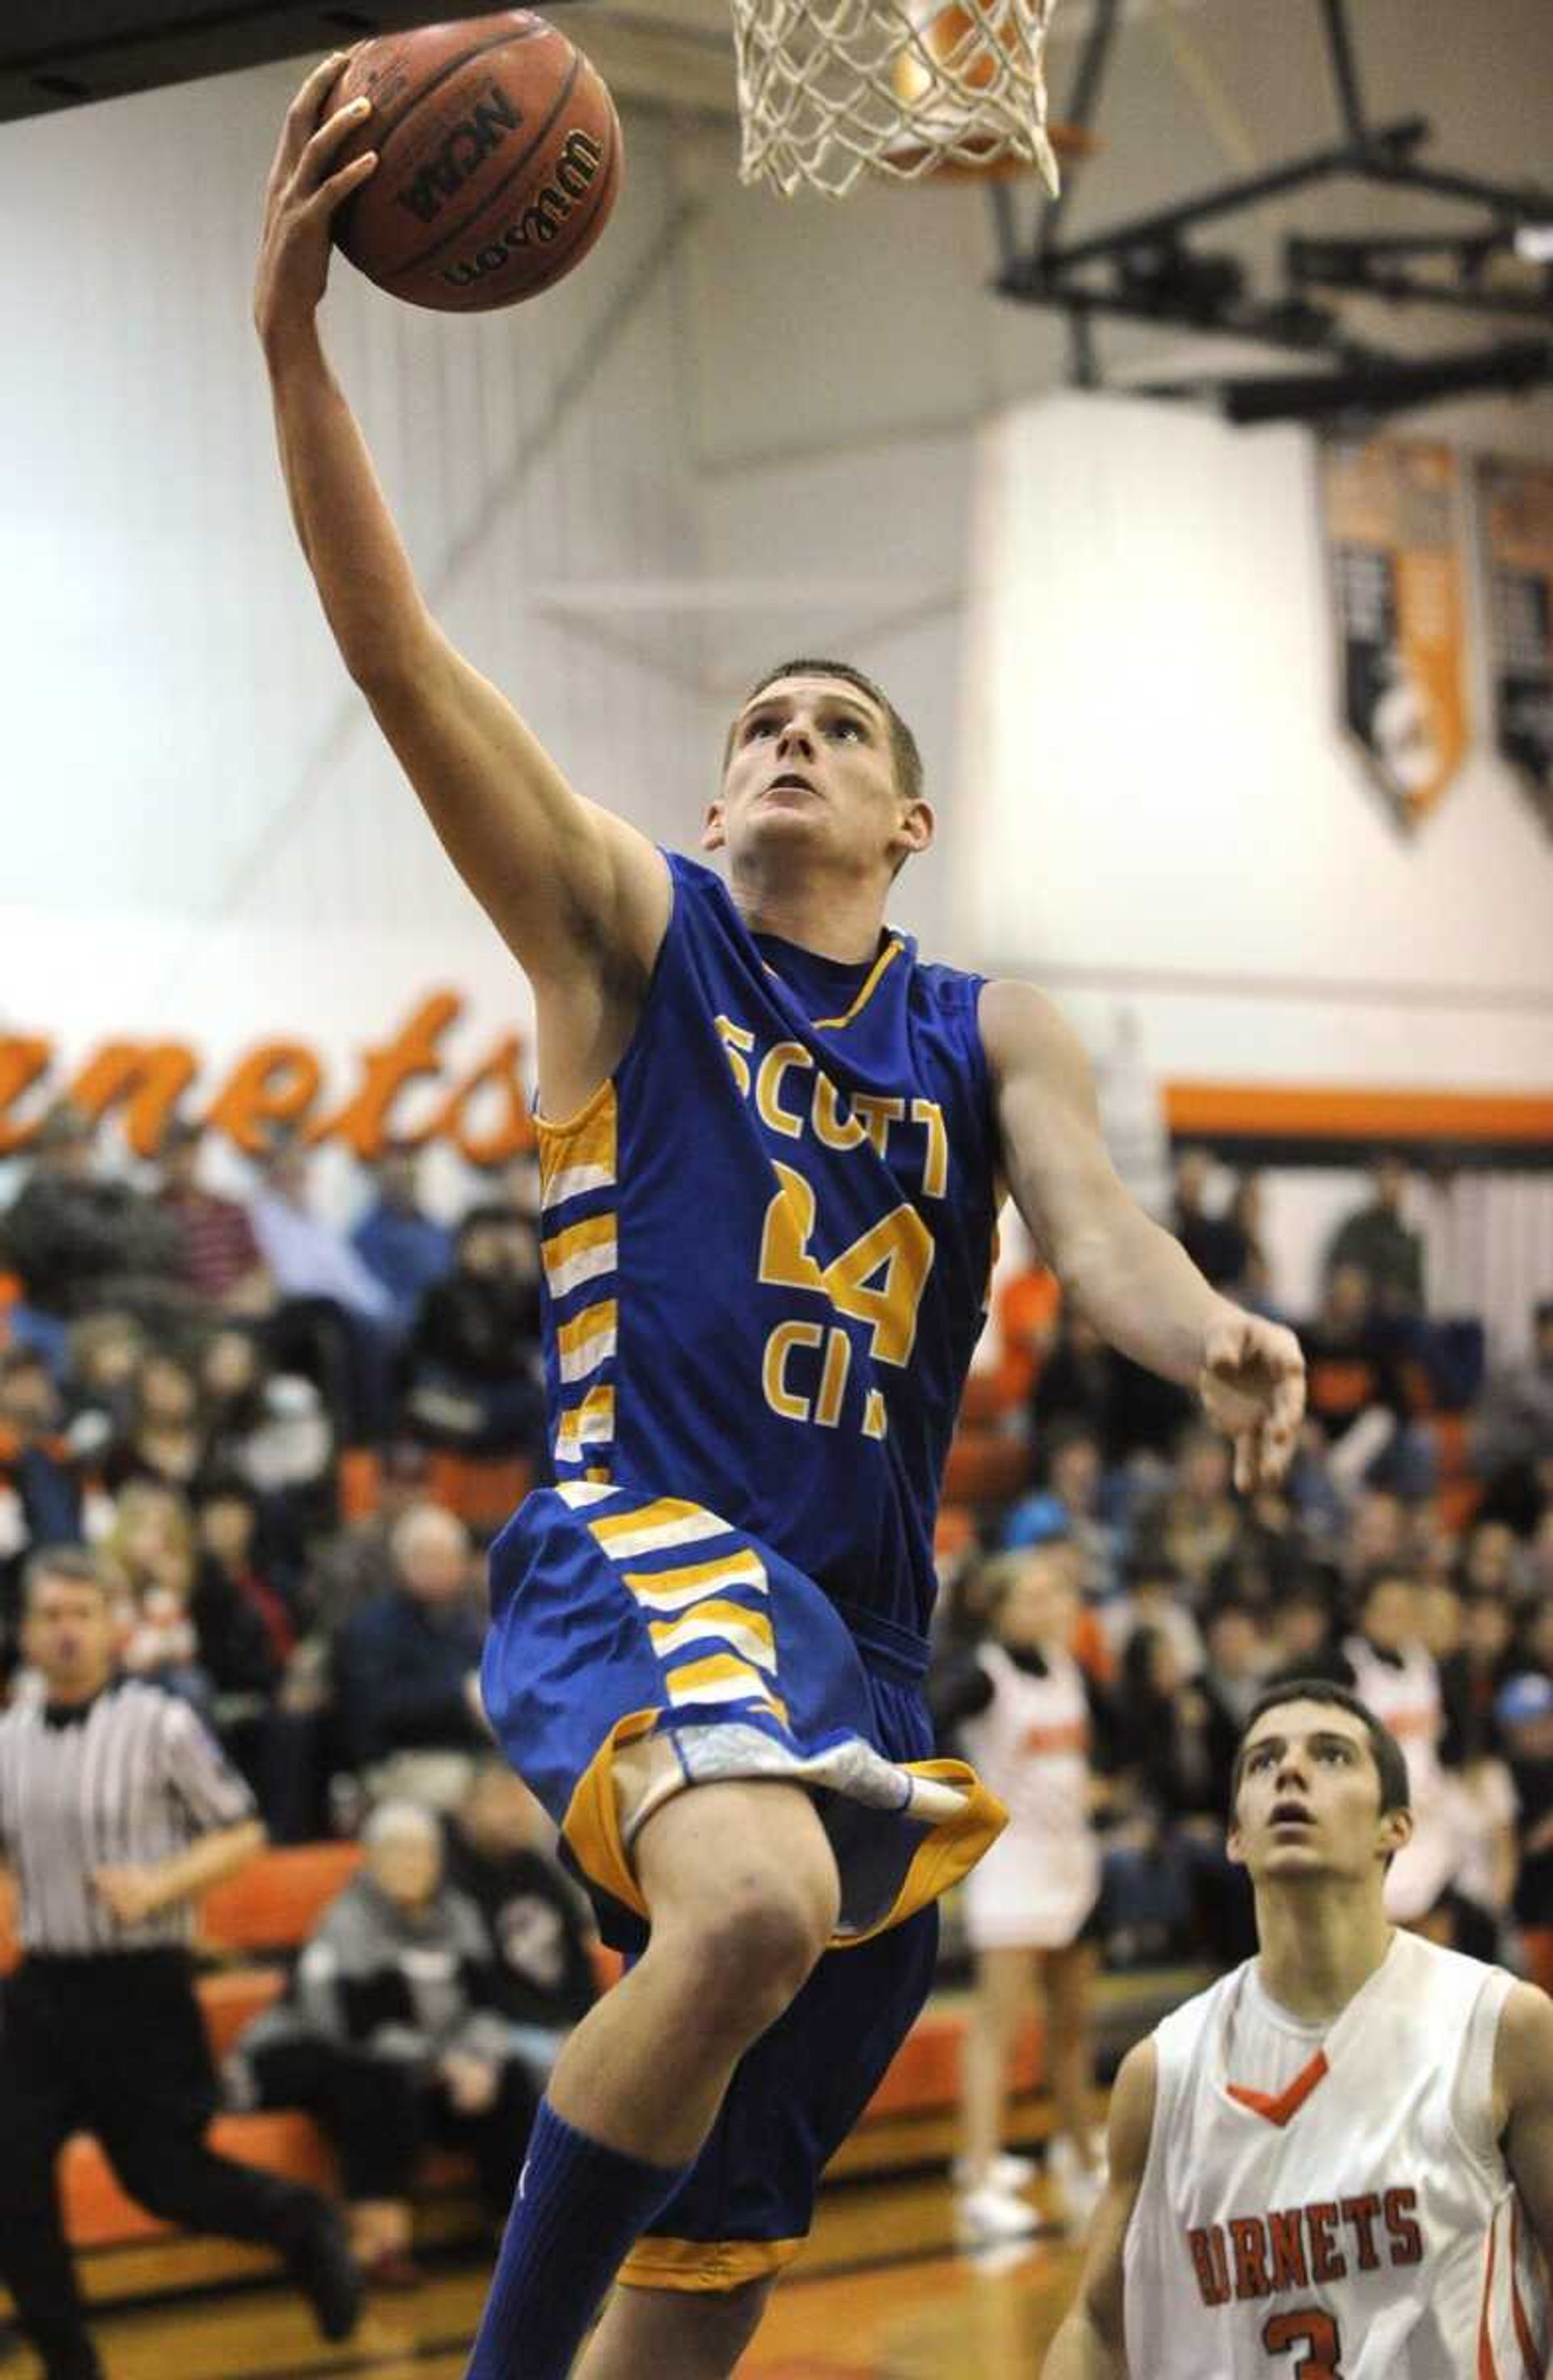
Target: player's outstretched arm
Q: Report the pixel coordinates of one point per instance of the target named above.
(1523, 2089)
(573, 891)
(1091, 2344)
(1133, 1281)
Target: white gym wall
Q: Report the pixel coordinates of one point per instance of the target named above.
(744, 426)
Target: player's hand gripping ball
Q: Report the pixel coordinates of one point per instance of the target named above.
(499, 160)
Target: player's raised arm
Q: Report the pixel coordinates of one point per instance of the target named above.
(1091, 2344)
(576, 892)
(1133, 1281)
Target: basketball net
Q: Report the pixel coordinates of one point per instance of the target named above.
(829, 90)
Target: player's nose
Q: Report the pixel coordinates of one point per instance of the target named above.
(798, 735)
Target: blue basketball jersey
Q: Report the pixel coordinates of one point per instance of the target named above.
(766, 1244)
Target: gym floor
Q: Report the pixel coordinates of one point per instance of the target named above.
(881, 2294)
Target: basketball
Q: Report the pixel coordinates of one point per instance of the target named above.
(499, 156)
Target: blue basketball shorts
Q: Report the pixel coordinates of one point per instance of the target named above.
(619, 1615)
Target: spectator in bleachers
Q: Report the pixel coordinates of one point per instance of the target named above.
(351, 1567)
(1539, 1558)
(1381, 1244)
(43, 1486)
(1302, 1629)
(104, 1352)
(251, 1632)
(1377, 1536)
(405, 1247)
(1153, 1596)
(152, 1546)
(1441, 1618)
(1197, 1521)
(1513, 1431)
(1066, 1505)
(472, 1366)
(499, 1851)
(1234, 1673)
(1393, 1671)
(1471, 1676)
(1491, 1559)
(1523, 1711)
(335, 1317)
(232, 1373)
(227, 1517)
(1217, 1244)
(406, 1668)
(220, 1257)
(392, 2035)
(1247, 1212)
(1131, 1411)
(1161, 1746)
(75, 1240)
(1355, 1388)
(165, 1435)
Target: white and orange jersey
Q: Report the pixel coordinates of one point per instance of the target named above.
(1405, 1698)
(1330, 2202)
(1031, 1744)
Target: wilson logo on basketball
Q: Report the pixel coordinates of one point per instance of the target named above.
(442, 175)
(576, 169)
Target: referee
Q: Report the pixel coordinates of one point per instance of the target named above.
(116, 1809)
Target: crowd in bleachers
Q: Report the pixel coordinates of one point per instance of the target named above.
(1410, 1549)
(288, 1440)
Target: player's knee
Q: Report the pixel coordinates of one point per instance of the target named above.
(756, 1943)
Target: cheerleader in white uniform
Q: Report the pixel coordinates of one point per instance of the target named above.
(1024, 1714)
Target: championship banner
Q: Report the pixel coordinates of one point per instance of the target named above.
(1392, 510)
(1515, 514)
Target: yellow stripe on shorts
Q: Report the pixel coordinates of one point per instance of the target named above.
(748, 1632)
(687, 1583)
(667, 1521)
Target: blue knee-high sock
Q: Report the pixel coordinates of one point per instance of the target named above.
(578, 2210)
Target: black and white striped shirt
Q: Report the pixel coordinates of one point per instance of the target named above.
(130, 1779)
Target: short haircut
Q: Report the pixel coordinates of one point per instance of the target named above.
(73, 1565)
(399, 1822)
(904, 749)
(1385, 1752)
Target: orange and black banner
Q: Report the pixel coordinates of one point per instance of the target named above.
(1515, 513)
(1391, 512)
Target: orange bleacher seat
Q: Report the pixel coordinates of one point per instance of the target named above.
(10, 1948)
(360, 1477)
(1458, 1492)
(984, 1467)
(230, 2002)
(483, 1491)
(924, 2076)
(273, 1903)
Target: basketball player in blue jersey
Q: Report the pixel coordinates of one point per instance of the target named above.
(772, 1145)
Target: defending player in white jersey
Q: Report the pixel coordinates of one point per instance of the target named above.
(1337, 2163)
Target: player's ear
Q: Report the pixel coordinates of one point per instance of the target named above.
(1396, 1829)
(1234, 1848)
(711, 831)
(915, 828)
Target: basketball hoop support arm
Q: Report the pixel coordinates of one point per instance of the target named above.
(1158, 279)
